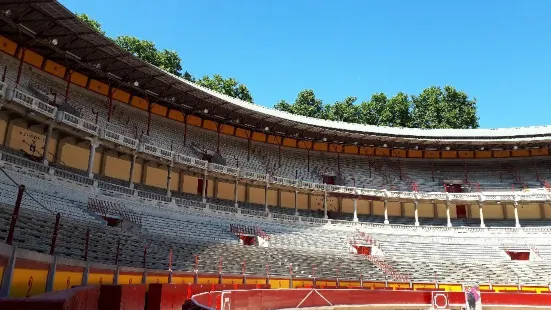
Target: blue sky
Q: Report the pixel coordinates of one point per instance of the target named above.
(496, 51)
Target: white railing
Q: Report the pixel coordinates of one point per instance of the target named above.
(285, 217)
(118, 138)
(73, 177)
(191, 161)
(115, 188)
(285, 181)
(77, 122)
(156, 151)
(253, 175)
(16, 160)
(254, 213)
(153, 196)
(221, 208)
(32, 103)
(223, 169)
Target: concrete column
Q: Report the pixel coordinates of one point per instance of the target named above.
(266, 198)
(7, 276)
(215, 188)
(236, 193)
(480, 209)
(325, 204)
(168, 177)
(296, 202)
(386, 212)
(204, 194)
(416, 213)
(93, 146)
(355, 201)
(44, 157)
(448, 218)
(132, 168)
(517, 222)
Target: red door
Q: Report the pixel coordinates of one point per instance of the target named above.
(461, 211)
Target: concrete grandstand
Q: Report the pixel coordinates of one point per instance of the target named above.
(132, 175)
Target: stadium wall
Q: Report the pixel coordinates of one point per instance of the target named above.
(20, 134)
(57, 70)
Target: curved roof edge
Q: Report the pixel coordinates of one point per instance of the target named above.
(55, 10)
(509, 133)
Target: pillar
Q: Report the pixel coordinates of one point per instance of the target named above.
(517, 222)
(480, 209)
(168, 177)
(236, 193)
(371, 207)
(44, 157)
(266, 198)
(386, 212)
(93, 146)
(355, 201)
(204, 191)
(325, 204)
(448, 218)
(296, 202)
(132, 168)
(416, 212)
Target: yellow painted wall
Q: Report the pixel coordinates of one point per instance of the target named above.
(299, 283)
(442, 211)
(529, 211)
(156, 279)
(66, 279)
(190, 184)
(302, 201)
(256, 195)
(118, 168)
(288, 199)
(130, 279)
(363, 206)
(182, 279)
(272, 197)
(100, 278)
(493, 212)
(279, 283)
(425, 210)
(207, 280)
(156, 176)
(351, 283)
(23, 277)
(226, 190)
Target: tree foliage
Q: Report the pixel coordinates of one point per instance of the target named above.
(228, 86)
(94, 24)
(170, 61)
(435, 107)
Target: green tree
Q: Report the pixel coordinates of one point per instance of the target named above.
(146, 50)
(94, 24)
(443, 108)
(171, 62)
(371, 111)
(397, 111)
(344, 111)
(435, 107)
(229, 86)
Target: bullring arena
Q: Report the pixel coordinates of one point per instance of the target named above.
(124, 187)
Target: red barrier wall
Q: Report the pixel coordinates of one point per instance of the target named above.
(300, 298)
(84, 298)
(167, 296)
(119, 297)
